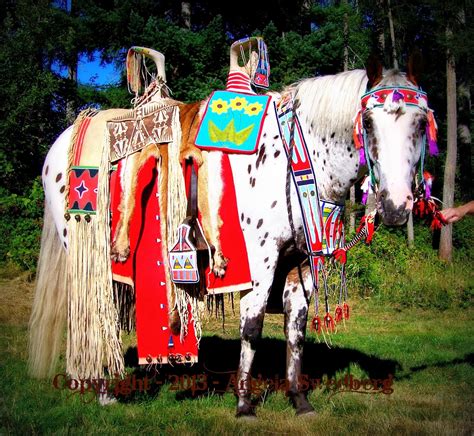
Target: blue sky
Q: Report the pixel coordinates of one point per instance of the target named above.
(92, 72)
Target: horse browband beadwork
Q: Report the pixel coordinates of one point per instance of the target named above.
(411, 96)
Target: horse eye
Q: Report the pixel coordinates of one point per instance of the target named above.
(367, 120)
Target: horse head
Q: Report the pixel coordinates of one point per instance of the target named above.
(394, 118)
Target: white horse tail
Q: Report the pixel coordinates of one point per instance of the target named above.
(48, 314)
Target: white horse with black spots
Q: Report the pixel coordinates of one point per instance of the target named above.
(326, 109)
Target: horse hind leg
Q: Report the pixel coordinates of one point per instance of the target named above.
(295, 306)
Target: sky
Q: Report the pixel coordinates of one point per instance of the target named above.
(92, 72)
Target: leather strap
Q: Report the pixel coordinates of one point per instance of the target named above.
(192, 210)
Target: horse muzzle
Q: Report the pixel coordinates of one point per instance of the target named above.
(393, 214)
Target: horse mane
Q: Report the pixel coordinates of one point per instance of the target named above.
(330, 102)
(394, 78)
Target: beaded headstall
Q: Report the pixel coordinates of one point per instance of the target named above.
(393, 99)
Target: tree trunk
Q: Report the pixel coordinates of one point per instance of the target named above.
(446, 240)
(70, 106)
(71, 69)
(371, 203)
(464, 135)
(392, 35)
(380, 28)
(464, 119)
(186, 14)
(410, 231)
(346, 37)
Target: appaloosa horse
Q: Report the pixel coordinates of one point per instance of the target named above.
(326, 109)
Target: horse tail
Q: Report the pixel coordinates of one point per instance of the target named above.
(48, 314)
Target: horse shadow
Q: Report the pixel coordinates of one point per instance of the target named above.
(216, 371)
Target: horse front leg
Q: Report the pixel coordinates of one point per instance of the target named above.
(252, 313)
(295, 305)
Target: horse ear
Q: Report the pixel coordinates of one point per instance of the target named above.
(374, 70)
(415, 66)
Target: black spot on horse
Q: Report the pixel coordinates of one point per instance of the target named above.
(249, 168)
(263, 242)
(351, 155)
(323, 139)
(46, 171)
(285, 295)
(261, 152)
(264, 135)
(260, 222)
(65, 245)
(253, 182)
(265, 260)
(265, 235)
(248, 220)
(277, 153)
(264, 158)
(276, 137)
(324, 162)
(348, 148)
(241, 217)
(330, 177)
(252, 330)
(59, 177)
(273, 204)
(65, 232)
(317, 154)
(333, 134)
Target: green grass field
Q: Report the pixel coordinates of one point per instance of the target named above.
(430, 354)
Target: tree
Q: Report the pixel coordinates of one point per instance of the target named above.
(446, 241)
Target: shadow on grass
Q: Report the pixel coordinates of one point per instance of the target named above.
(468, 358)
(215, 373)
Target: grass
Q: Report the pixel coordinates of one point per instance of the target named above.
(429, 352)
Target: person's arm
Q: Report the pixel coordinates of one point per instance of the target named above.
(453, 214)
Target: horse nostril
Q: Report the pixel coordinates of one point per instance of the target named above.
(409, 198)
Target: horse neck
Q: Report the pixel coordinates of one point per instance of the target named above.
(327, 107)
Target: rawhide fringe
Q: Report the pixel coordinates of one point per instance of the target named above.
(93, 338)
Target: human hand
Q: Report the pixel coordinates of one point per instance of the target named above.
(453, 214)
